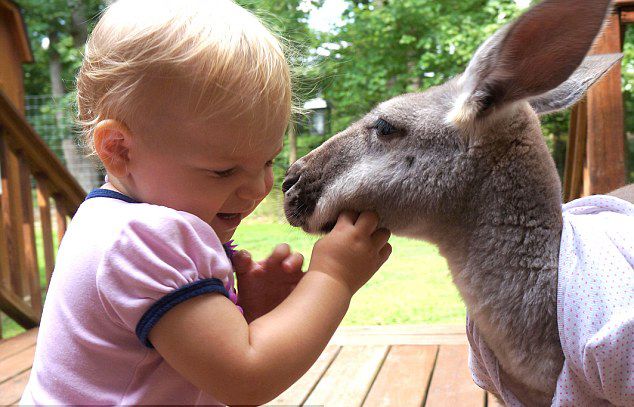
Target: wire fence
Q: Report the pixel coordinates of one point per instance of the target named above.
(52, 119)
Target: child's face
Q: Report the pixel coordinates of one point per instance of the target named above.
(218, 171)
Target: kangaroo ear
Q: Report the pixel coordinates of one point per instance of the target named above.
(529, 57)
(571, 91)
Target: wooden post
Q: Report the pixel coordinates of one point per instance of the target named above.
(12, 215)
(606, 142)
(575, 153)
(61, 213)
(31, 271)
(43, 203)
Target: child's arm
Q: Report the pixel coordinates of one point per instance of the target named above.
(208, 341)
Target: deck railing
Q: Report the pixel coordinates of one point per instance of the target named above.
(32, 176)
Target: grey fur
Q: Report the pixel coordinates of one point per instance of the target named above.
(569, 92)
(468, 170)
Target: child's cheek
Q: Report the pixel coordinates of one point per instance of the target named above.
(268, 180)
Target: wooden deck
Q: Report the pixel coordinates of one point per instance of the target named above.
(367, 366)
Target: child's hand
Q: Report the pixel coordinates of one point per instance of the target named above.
(264, 285)
(353, 251)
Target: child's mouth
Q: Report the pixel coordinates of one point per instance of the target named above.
(228, 216)
(229, 221)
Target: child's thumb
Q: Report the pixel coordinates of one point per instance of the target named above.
(241, 261)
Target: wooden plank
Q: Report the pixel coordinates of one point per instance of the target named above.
(11, 390)
(576, 154)
(60, 217)
(404, 377)
(31, 270)
(400, 335)
(606, 133)
(349, 378)
(5, 264)
(451, 384)
(13, 215)
(570, 154)
(17, 309)
(18, 343)
(624, 3)
(627, 16)
(299, 392)
(17, 363)
(44, 205)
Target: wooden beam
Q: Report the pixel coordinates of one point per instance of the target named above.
(60, 216)
(17, 309)
(404, 378)
(5, 264)
(624, 3)
(451, 384)
(570, 153)
(11, 390)
(18, 343)
(41, 159)
(297, 394)
(13, 215)
(349, 377)
(44, 204)
(576, 152)
(32, 270)
(606, 133)
(627, 16)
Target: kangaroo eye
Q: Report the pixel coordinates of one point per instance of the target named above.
(384, 128)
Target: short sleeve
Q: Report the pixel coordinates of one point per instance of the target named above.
(159, 260)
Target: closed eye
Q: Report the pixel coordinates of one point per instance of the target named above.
(383, 128)
(223, 173)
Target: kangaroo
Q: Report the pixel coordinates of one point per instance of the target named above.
(464, 165)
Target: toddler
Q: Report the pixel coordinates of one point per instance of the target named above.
(186, 103)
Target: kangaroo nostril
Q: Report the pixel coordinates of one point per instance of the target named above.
(289, 181)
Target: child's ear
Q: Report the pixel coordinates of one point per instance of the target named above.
(112, 143)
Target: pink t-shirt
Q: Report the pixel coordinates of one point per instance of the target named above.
(120, 267)
(595, 310)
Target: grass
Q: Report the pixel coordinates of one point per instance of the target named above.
(413, 287)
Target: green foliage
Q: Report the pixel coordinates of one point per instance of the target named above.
(403, 46)
(413, 287)
(53, 20)
(385, 48)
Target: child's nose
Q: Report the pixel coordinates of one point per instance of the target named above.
(257, 188)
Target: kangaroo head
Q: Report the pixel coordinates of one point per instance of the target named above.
(425, 161)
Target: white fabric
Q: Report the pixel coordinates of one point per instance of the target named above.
(595, 309)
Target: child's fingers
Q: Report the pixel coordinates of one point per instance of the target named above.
(367, 221)
(346, 218)
(281, 252)
(385, 253)
(293, 263)
(241, 261)
(381, 236)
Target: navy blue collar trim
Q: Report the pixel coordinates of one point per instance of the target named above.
(108, 193)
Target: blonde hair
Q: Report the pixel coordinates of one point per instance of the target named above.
(230, 60)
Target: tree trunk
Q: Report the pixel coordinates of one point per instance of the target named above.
(55, 67)
(57, 83)
(79, 27)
